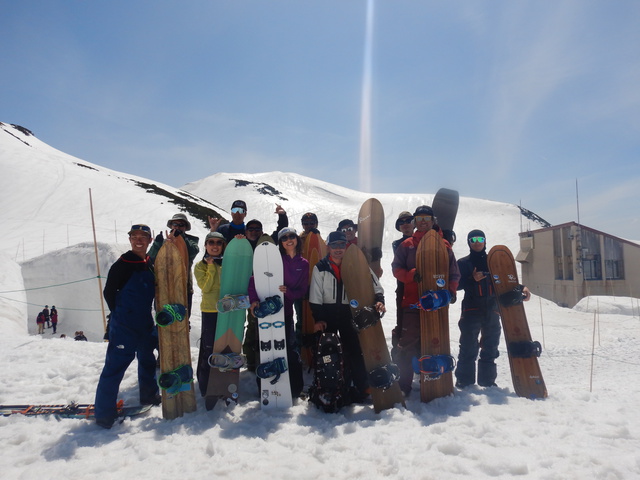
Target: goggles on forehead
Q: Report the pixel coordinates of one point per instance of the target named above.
(237, 210)
(476, 240)
(140, 228)
(348, 229)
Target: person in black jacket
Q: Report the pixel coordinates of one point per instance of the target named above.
(480, 320)
(129, 293)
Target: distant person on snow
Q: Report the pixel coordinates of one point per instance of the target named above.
(47, 316)
(79, 336)
(480, 319)
(129, 292)
(54, 319)
(179, 225)
(40, 319)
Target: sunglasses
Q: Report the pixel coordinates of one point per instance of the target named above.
(338, 245)
(237, 210)
(178, 224)
(476, 240)
(254, 229)
(405, 221)
(215, 242)
(142, 228)
(348, 229)
(423, 218)
(308, 224)
(290, 236)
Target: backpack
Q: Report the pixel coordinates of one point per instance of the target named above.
(328, 390)
(41, 318)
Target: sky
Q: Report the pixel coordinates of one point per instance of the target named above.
(516, 101)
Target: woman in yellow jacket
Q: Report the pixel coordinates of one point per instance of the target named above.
(207, 273)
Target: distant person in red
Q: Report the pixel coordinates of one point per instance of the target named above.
(40, 321)
(54, 318)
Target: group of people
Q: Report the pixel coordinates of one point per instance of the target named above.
(47, 319)
(130, 290)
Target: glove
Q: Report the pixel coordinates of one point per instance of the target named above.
(454, 297)
(417, 277)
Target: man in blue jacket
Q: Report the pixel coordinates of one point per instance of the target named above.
(129, 292)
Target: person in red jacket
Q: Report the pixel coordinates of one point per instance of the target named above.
(404, 269)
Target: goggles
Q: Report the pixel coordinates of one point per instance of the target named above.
(287, 237)
(476, 240)
(348, 229)
(338, 245)
(215, 242)
(178, 224)
(237, 210)
(405, 221)
(140, 228)
(423, 218)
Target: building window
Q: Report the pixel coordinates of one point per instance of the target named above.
(591, 258)
(613, 261)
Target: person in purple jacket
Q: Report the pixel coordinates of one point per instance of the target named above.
(296, 282)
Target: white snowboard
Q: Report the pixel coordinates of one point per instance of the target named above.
(268, 276)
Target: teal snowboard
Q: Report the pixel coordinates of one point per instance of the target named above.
(237, 266)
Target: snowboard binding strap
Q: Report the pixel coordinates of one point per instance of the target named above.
(512, 297)
(365, 318)
(384, 376)
(227, 361)
(524, 349)
(432, 300)
(274, 368)
(432, 367)
(176, 381)
(270, 306)
(170, 313)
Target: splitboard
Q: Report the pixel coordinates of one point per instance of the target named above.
(234, 280)
(71, 410)
(313, 249)
(445, 207)
(357, 278)
(171, 270)
(432, 264)
(523, 352)
(268, 275)
(370, 231)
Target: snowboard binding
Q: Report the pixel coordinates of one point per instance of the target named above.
(270, 306)
(229, 303)
(365, 318)
(227, 361)
(176, 381)
(170, 313)
(274, 368)
(512, 298)
(432, 300)
(384, 376)
(433, 366)
(524, 349)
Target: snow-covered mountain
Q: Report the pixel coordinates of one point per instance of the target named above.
(48, 227)
(587, 428)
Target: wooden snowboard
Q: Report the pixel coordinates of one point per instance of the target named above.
(234, 280)
(525, 372)
(432, 263)
(356, 275)
(268, 275)
(313, 249)
(171, 270)
(370, 231)
(445, 207)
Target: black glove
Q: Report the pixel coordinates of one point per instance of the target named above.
(159, 238)
(454, 297)
(417, 277)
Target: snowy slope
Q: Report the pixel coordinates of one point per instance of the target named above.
(587, 428)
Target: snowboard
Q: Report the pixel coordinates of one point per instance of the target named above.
(268, 275)
(370, 231)
(432, 264)
(357, 278)
(313, 249)
(445, 207)
(171, 271)
(234, 280)
(525, 369)
(71, 410)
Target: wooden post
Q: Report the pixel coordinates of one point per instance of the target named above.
(95, 248)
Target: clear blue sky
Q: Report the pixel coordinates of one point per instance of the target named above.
(504, 100)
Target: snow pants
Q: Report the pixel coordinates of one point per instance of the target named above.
(207, 338)
(479, 332)
(124, 345)
(408, 347)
